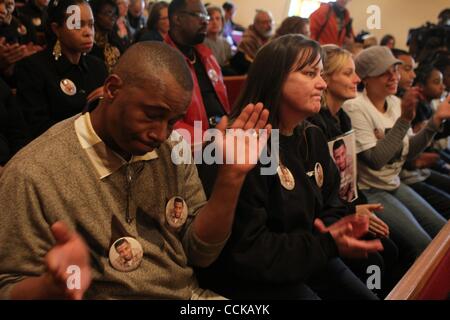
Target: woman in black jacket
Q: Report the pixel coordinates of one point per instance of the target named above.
(54, 84)
(279, 247)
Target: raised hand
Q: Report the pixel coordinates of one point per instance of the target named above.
(70, 250)
(409, 103)
(442, 112)
(242, 144)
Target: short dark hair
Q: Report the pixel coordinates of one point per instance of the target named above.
(399, 52)
(177, 199)
(97, 5)
(120, 242)
(442, 61)
(444, 14)
(270, 69)
(176, 6)
(227, 6)
(423, 73)
(384, 41)
(338, 143)
(57, 13)
(291, 25)
(155, 59)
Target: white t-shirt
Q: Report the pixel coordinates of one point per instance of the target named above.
(365, 119)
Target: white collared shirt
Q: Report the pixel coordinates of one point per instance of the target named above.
(104, 159)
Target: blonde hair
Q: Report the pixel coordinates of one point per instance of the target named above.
(335, 58)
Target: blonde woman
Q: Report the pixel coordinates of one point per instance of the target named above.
(342, 80)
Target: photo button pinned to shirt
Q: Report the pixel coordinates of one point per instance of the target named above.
(126, 254)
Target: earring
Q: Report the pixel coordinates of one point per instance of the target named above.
(57, 50)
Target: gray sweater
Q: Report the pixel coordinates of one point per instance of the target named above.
(52, 179)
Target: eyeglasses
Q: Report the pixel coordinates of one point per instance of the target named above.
(198, 15)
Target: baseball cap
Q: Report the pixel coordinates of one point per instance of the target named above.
(374, 61)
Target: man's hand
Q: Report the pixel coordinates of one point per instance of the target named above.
(250, 121)
(70, 250)
(376, 225)
(346, 233)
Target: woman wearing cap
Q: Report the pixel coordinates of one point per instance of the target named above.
(381, 122)
(54, 84)
(273, 251)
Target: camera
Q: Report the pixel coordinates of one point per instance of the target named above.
(425, 41)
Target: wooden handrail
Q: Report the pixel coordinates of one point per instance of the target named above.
(413, 282)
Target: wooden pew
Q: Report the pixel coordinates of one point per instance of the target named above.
(429, 276)
(234, 86)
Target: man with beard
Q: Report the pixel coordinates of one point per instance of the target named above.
(188, 25)
(257, 35)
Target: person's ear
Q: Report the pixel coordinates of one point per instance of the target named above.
(112, 86)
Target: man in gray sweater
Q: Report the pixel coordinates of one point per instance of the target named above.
(106, 175)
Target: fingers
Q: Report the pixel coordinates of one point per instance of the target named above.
(254, 116)
(14, 53)
(243, 117)
(365, 245)
(374, 206)
(223, 123)
(263, 118)
(320, 226)
(61, 232)
(380, 226)
(374, 228)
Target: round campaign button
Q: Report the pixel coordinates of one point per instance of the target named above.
(68, 87)
(212, 74)
(125, 254)
(286, 178)
(176, 212)
(22, 30)
(318, 174)
(36, 21)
